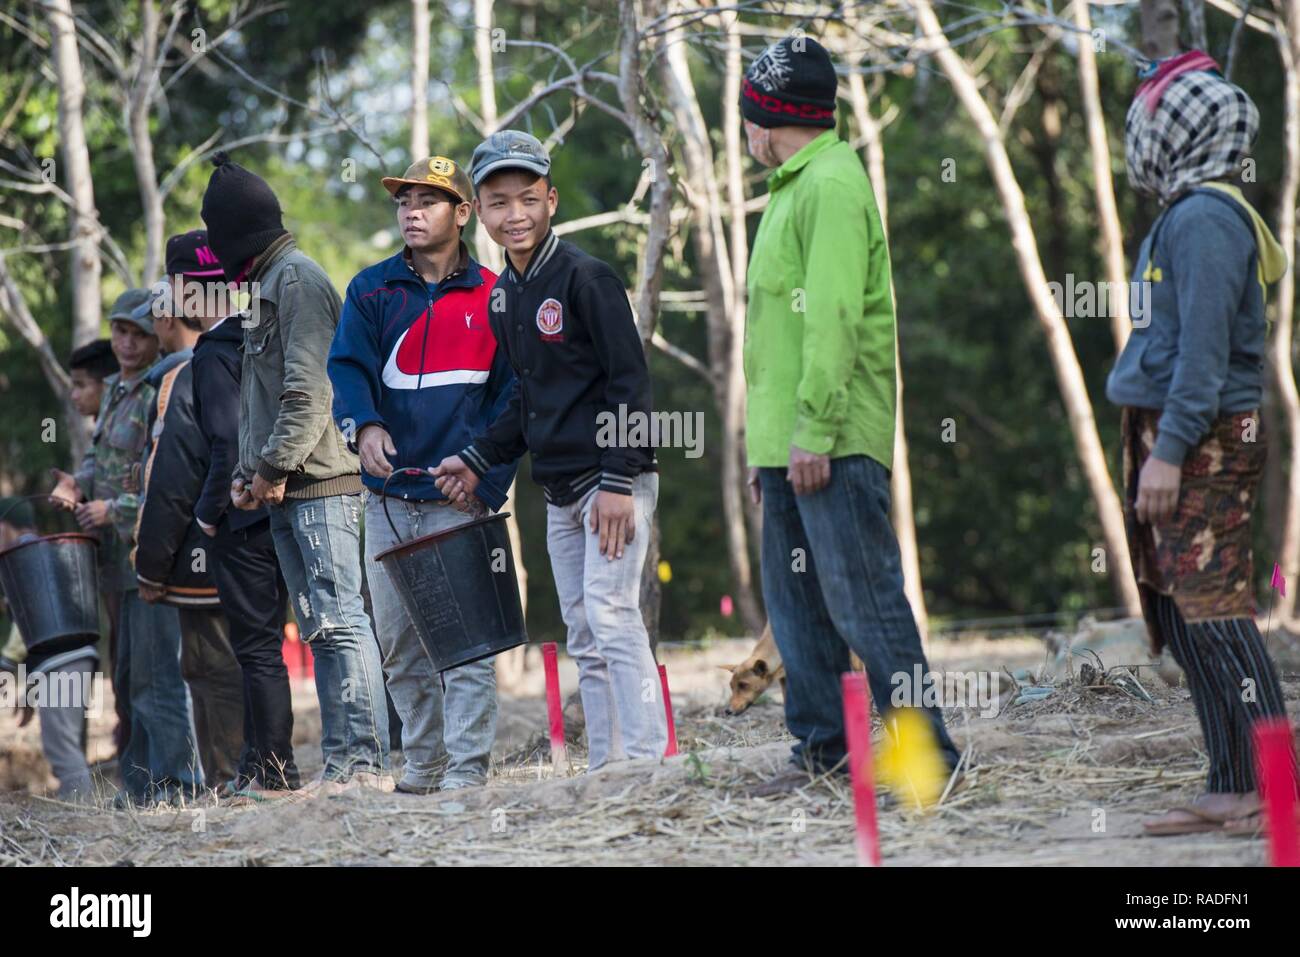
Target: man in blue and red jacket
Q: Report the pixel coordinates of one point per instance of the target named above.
(416, 374)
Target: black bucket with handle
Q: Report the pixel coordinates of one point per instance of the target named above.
(51, 584)
(459, 587)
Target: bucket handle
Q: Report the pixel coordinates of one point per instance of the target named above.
(383, 494)
(19, 499)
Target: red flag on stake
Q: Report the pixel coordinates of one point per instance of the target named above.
(1276, 772)
(668, 711)
(1279, 580)
(857, 727)
(554, 706)
(292, 650)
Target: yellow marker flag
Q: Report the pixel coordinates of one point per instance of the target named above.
(910, 763)
(665, 572)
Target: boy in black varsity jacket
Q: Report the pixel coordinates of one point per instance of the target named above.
(563, 319)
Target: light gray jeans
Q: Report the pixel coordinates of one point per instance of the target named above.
(62, 722)
(449, 732)
(601, 604)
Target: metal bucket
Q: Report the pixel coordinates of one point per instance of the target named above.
(459, 588)
(52, 586)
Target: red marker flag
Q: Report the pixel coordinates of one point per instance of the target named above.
(1279, 580)
(1276, 772)
(291, 650)
(668, 711)
(554, 706)
(857, 727)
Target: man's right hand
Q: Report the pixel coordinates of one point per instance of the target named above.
(65, 493)
(455, 479)
(375, 445)
(241, 496)
(755, 489)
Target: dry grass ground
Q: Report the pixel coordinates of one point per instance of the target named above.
(1065, 780)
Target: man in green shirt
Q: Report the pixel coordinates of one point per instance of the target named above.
(819, 363)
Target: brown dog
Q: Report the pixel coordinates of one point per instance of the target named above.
(755, 674)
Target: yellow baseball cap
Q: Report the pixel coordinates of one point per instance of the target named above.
(436, 171)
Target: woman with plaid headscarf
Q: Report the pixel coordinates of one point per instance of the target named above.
(1190, 381)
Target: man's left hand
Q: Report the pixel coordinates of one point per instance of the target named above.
(150, 593)
(808, 472)
(613, 516)
(266, 493)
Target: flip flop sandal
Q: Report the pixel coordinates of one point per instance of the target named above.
(1254, 824)
(1193, 821)
(1248, 825)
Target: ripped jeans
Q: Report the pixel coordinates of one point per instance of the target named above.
(318, 544)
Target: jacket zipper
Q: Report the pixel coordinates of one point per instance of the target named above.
(424, 341)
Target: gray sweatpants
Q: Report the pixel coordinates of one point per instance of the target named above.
(446, 736)
(62, 720)
(601, 604)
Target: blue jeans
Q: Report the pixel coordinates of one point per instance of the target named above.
(833, 581)
(161, 756)
(318, 544)
(446, 735)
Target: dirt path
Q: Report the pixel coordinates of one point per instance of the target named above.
(1061, 781)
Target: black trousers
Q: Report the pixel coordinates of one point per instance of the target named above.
(1233, 684)
(253, 595)
(221, 719)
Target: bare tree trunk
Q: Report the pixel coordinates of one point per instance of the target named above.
(1194, 12)
(902, 511)
(717, 276)
(1288, 42)
(139, 106)
(1159, 20)
(903, 514)
(738, 243)
(488, 252)
(1111, 237)
(1074, 393)
(654, 155)
(512, 666)
(420, 78)
(14, 308)
(84, 218)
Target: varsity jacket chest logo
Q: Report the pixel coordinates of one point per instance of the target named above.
(550, 320)
(449, 343)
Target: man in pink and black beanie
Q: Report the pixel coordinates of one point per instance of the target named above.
(294, 461)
